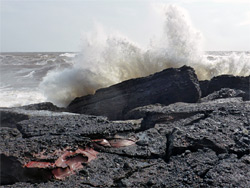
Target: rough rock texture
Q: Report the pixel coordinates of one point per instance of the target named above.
(204, 144)
(165, 87)
(79, 125)
(9, 117)
(16, 153)
(222, 125)
(180, 145)
(226, 81)
(224, 93)
(192, 169)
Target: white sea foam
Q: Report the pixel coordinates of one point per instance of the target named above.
(109, 59)
(29, 75)
(15, 98)
(68, 55)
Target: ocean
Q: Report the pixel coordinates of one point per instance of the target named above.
(23, 73)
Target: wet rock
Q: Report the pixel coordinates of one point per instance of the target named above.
(226, 81)
(166, 87)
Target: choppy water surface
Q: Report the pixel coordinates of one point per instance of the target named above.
(21, 74)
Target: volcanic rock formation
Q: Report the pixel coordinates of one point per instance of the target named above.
(166, 87)
(168, 136)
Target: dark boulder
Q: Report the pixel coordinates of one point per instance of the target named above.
(166, 87)
(226, 81)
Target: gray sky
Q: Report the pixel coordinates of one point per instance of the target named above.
(56, 25)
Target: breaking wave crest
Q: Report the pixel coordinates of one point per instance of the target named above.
(110, 59)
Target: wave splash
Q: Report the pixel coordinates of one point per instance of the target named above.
(109, 59)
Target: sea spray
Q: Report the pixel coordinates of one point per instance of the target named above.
(237, 64)
(108, 59)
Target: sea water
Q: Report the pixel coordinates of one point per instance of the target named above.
(22, 73)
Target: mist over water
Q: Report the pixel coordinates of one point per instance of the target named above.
(107, 59)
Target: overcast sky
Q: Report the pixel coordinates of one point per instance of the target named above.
(56, 25)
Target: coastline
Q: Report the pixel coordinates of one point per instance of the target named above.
(204, 142)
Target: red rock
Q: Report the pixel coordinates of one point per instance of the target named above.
(35, 164)
(121, 142)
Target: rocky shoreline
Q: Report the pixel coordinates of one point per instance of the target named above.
(165, 130)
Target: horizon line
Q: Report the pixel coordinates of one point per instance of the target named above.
(79, 51)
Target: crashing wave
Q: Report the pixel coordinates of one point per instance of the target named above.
(109, 59)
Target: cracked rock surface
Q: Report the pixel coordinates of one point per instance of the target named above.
(222, 125)
(203, 144)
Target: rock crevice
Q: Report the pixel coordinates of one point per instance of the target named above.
(166, 136)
